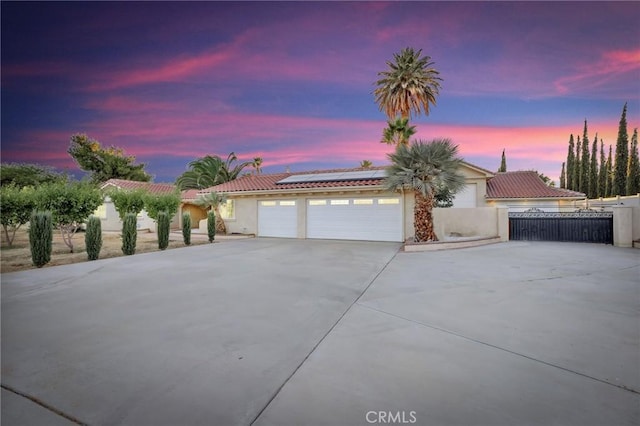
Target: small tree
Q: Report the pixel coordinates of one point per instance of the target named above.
(93, 237)
(503, 163)
(41, 238)
(129, 233)
(211, 225)
(213, 200)
(164, 224)
(186, 228)
(70, 205)
(28, 175)
(126, 201)
(16, 207)
(168, 203)
(563, 181)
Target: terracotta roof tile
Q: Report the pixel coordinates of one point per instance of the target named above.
(152, 188)
(525, 184)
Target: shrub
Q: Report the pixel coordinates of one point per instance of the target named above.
(41, 238)
(129, 233)
(164, 225)
(211, 225)
(186, 228)
(93, 237)
(168, 203)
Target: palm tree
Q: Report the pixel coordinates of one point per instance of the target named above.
(257, 165)
(410, 84)
(365, 164)
(426, 168)
(398, 132)
(209, 171)
(212, 201)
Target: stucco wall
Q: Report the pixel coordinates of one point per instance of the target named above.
(111, 220)
(470, 222)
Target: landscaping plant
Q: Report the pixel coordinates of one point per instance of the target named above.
(211, 225)
(129, 233)
(41, 238)
(164, 225)
(186, 228)
(93, 237)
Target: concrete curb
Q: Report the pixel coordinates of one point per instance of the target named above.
(449, 245)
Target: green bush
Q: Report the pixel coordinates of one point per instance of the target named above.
(129, 233)
(164, 225)
(211, 225)
(93, 237)
(186, 228)
(41, 238)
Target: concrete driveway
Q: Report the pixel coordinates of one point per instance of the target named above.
(288, 332)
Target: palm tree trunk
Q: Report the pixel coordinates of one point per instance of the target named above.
(423, 218)
(220, 226)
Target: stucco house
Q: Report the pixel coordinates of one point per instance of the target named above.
(352, 204)
(109, 215)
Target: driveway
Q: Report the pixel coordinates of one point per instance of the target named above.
(289, 332)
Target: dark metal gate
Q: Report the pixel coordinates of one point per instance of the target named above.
(583, 226)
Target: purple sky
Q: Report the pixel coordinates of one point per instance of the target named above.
(292, 82)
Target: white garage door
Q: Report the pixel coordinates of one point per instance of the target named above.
(372, 219)
(278, 218)
(466, 197)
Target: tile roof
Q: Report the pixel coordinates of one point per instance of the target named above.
(268, 182)
(525, 184)
(152, 188)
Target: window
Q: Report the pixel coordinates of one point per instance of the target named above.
(363, 201)
(317, 202)
(227, 210)
(339, 202)
(288, 203)
(267, 203)
(389, 201)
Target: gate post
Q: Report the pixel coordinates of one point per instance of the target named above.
(502, 213)
(622, 226)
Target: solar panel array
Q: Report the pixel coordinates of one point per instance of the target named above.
(334, 177)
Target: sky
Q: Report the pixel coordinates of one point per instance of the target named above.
(292, 82)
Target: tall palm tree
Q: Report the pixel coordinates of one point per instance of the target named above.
(425, 168)
(409, 85)
(212, 201)
(209, 171)
(398, 132)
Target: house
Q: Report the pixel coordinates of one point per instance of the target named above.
(352, 204)
(109, 215)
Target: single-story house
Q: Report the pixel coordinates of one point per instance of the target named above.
(109, 215)
(352, 204)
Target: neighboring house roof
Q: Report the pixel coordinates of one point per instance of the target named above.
(152, 188)
(525, 184)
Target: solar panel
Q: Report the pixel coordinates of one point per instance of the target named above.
(334, 177)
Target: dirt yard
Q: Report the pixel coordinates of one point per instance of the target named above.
(18, 256)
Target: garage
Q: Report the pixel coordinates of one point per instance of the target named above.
(370, 219)
(278, 218)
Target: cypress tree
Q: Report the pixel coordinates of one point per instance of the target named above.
(584, 162)
(609, 176)
(633, 166)
(576, 167)
(602, 174)
(503, 163)
(622, 157)
(563, 182)
(593, 170)
(571, 158)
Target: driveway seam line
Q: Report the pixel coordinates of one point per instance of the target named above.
(471, 339)
(277, 392)
(43, 404)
